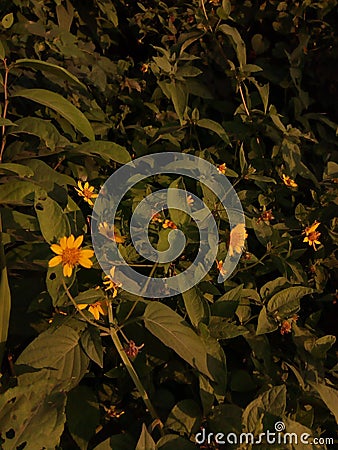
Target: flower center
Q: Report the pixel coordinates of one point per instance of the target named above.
(87, 193)
(71, 256)
(314, 236)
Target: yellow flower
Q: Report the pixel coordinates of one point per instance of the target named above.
(237, 238)
(219, 265)
(111, 232)
(156, 218)
(311, 235)
(87, 192)
(222, 168)
(96, 309)
(144, 68)
(110, 283)
(190, 200)
(69, 254)
(289, 181)
(169, 224)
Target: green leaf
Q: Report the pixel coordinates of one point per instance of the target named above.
(174, 442)
(265, 323)
(215, 127)
(6, 122)
(2, 57)
(221, 328)
(17, 193)
(197, 307)
(174, 332)
(177, 198)
(5, 297)
(35, 416)
(121, 441)
(54, 279)
(329, 395)
(7, 20)
(319, 347)
(92, 345)
(145, 442)
(41, 128)
(105, 150)
(236, 41)
(53, 221)
(287, 301)
(19, 169)
(83, 415)
(49, 68)
(58, 355)
(224, 11)
(90, 296)
(45, 176)
(176, 92)
(185, 417)
(272, 401)
(62, 106)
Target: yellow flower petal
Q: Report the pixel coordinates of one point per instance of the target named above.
(86, 253)
(86, 185)
(56, 260)
(79, 183)
(56, 249)
(82, 306)
(78, 241)
(86, 263)
(95, 312)
(70, 241)
(63, 242)
(67, 270)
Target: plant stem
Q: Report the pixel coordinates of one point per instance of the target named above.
(69, 295)
(3, 142)
(243, 100)
(132, 372)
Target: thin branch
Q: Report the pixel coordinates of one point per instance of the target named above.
(132, 372)
(69, 295)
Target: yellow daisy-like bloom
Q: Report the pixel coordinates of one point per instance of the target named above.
(111, 232)
(220, 268)
(289, 181)
(96, 309)
(86, 191)
(311, 235)
(237, 238)
(169, 224)
(110, 284)
(69, 254)
(222, 168)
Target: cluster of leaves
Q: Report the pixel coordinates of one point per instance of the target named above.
(84, 90)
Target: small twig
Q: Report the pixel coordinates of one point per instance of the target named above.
(206, 15)
(69, 295)
(132, 372)
(3, 142)
(243, 100)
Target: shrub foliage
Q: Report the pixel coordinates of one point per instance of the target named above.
(249, 86)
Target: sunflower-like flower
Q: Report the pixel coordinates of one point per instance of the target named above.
(111, 232)
(220, 268)
(69, 254)
(86, 191)
(110, 284)
(289, 181)
(311, 235)
(222, 168)
(96, 309)
(237, 239)
(169, 224)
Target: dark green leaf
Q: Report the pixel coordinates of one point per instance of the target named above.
(62, 106)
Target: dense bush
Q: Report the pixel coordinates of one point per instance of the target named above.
(85, 88)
